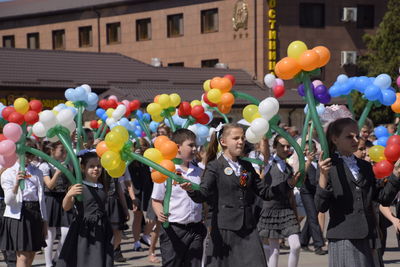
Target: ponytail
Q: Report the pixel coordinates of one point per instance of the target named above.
(212, 148)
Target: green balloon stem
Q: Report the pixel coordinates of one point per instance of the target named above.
(251, 160)
(21, 155)
(170, 120)
(364, 114)
(104, 131)
(146, 129)
(167, 198)
(245, 96)
(134, 136)
(314, 115)
(79, 130)
(190, 120)
(310, 139)
(304, 132)
(98, 131)
(350, 105)
(221, 114)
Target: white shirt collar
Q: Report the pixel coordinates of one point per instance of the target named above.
(91, 184)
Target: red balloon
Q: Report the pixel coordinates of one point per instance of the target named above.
(128, 112)
(94, 124)
(103, 104)
(203, 119)
(35, 105)
(111, 103)
(2, 137)
(134, 105)
(197, 111)
(383, 169)
(7, 112)
(184, 109)
(16, 117)
(394, 139)
(392, 152)
(31, 117)
(208, 102)
(279, 91)
(232, 78)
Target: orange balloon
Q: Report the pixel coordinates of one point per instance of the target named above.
(396, 105)
(287, 68)
(324, 55)
(224, 109)
(158, 177)
(223, 84)
(159, 140)
(309, 60)
(168, 149)
(168, 164)
(227, 99)
(101, 148)
(156, 98)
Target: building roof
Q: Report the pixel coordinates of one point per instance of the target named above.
(25, 68)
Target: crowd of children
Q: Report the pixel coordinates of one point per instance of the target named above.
(238, 217)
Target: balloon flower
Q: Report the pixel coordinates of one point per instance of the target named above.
(277, 84)
(201, 132)
(22, 111)
(385, 157)
(194, 112)
(217, 93)
(12, 133)
(164, 107)
(382, 135)
(319, 90)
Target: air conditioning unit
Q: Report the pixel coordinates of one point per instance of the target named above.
(156, 62)
(348, 58)
(349, 14)
(221, 66)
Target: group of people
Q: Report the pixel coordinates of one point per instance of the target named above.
(238, 217)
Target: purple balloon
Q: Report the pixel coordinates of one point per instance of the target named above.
(323, 98)
(398, 81)
(301, 89)
(320, 90)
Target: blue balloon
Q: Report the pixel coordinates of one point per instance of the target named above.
(167, 122)
(381, 131)
(383, 81)
(201, 130)
(388, 97)
(200, 140)
(124, 122)
(391, 89)
(146, 117)
(138, 133)
(92, 99)
(104, 117)
(100, 112)
(153, 126)
(136, 123)
(81, 94)
(70, 94)
(346, 88)
(372, 92)
(210, 115)
(139, 114)
(382, 141)
(335, 91)
(362, 83)
(91, 107)
(320, 109)
(342, 78)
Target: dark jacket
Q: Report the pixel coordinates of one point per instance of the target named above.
(310, 183)
(233, 203)
(350, 202)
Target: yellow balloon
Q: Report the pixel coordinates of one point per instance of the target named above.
(119, 171)
(214, 95)
(157, 118)
(255, 116)
(249, 111)
(376, 153)
(122, 131)
(55, 112)
(99, 122)
(109, 112)
(175, 99)
(207, 86)
(164, 101)
(114, 141)
(21, 105)
(69, 104)
(153, 154)
(154, 109)
(110, 160)
(195, 103)
(296, 48)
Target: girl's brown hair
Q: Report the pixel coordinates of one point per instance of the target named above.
(85, 159)
(214, 141)
(335, 129)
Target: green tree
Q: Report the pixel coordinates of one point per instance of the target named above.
(382, 56)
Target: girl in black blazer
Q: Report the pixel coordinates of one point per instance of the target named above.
(230, 185)
(347, 187)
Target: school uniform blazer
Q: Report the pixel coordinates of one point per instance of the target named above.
(310, 183)
(14, 201)
(232, 203)
(349, 201)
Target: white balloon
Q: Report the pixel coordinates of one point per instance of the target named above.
(193, 128)
(268, 108)
(252, 137)
(119, 112)
(65, 117)
(269, 80)
(87, 88)
(71, 126)
(110, 121)
(259, 126)
(53, 139)
(39, 129)
(48, 118)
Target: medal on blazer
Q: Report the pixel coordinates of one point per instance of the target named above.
(243, 178)
(228, 171)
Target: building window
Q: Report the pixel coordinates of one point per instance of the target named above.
(59, 39)
(312, 15)
(143, 29)
(209, 63)
(114, 33)
(85, 36)
(176, 64)
(365, 16)
(175, 25)
(9, 41)
(33, 40)
(209, 20)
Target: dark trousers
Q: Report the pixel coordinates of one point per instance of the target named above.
(311, 227)
(182, 245)
(10, 257)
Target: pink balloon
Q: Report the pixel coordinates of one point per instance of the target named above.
(8, 161)
(316, 83)
(113, 97)
(7, 147)
(125, 102)
(279, 82)
(398, 81)
(12, 131)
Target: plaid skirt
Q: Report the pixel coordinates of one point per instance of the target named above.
(350, 253)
